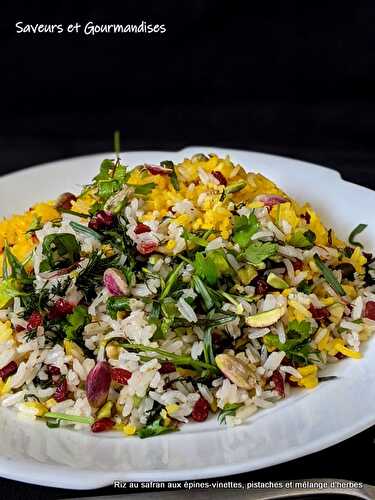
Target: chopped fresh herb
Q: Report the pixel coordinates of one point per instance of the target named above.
(143, 189)
(178, 360)
(60, 250)
(171, 281)
(75, 322)
(305, 287)
(35, 225)
(174, 180)
(91, 277)
(195, 239)
(80, 228)
(116, 304)
(203, 292)
(206, 268)
(297, 346)
(357, 230)
(244, 228)
(155, 429)
(228, 411)
(257, 252)
(328, 275)
(302, 239)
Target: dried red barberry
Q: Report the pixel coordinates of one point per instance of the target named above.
(102, 220)
(158, 170)
(297, 265)
(146, 247)
(167, 367)
(278, 380)
(200, 410)
(319, 313)
(120, 375)
(35, 320)
(8, 370)
(53, 370)
(369, 310)
(104, 424)
(307, 217)
(61, 391)
(60, 309)
(290, 382)
(261, 286)
(340, 355)
(220, 177)
(141, 228)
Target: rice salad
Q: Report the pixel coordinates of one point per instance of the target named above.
(165, 293)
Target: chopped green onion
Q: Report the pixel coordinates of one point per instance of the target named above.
(79, 228)
(328, 275)
(178, 360)
(201, 290)
(171, 281)
(357, 230)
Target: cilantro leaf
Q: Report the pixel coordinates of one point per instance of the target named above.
(75, 322)
(257, 252)
(244, 229)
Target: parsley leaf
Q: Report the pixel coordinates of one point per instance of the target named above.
(75, 322)
(257, 252)
(205, 268)
(244, 229)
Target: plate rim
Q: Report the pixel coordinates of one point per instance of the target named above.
(7, 469)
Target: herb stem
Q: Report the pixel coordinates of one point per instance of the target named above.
(177, 359)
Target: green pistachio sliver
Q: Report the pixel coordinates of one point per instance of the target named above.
(69, 418)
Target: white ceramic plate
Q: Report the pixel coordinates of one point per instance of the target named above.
(305, 423)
